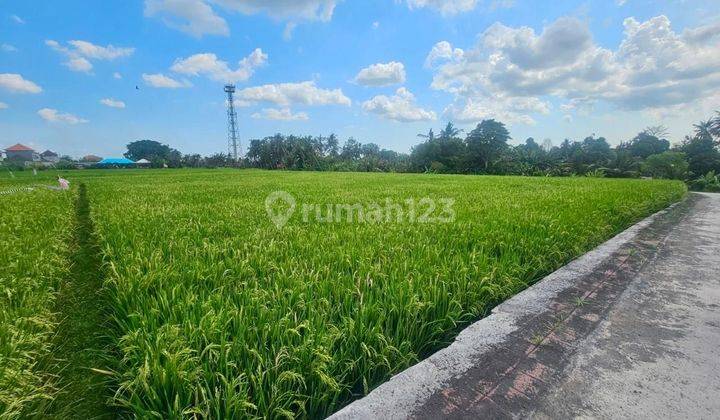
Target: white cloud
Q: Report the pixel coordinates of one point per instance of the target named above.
(79, 53)
(303, 93)
(112, 103)
(79, 64)
(3, 105)
(510, 110)
(443, 50)
(117, 75)
(511, 72)
(53, 115)
(382, 74)
(198, 17)
(375, 25)
(445, 7)
(17, 19)
(90, 50)
(209, 65)
(16, 83)
(284, 9)
(288, 31)
(8, 48)
(400, 107)
(159, 80)
(283, 114)
(702, 33)
(191, 16)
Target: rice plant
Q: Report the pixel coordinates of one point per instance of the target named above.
(219, 314)
(34, 227)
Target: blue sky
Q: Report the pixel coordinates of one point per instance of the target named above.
(377, 70)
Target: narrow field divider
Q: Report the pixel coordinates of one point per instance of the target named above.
(80, 361)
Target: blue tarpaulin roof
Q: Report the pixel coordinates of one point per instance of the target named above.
(116, 161)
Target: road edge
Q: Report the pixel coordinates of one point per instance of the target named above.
(401, 395)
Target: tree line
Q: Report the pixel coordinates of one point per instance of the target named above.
(483, 150)
(486, 150)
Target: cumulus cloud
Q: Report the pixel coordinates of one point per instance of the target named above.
(382, 74)
(55, 116)
(399, 107)
(8, 48)
(283, 9)
(3, 105)
(445, 7)
(282, 114)
(117, 75)
(510, 69)
(79, 64)
(199, 17)
(16, 83)
(510, 110)
(79, 53)
(90, 50)
(159, 80)
(194, 17)
(443, 50)
(209, 65)
(112, 103)
(286, 94)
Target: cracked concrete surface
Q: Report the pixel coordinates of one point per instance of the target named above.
(657, 354)
(631, 329)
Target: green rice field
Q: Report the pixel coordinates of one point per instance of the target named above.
(214, 311)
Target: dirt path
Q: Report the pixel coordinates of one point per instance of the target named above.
(629, 330)
(79, 347)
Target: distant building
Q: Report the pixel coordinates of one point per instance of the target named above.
(115, 163)
(21, 153)
(49, 156)
(91, 159)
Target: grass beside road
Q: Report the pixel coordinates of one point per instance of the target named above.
(221, 314)
(184, 299)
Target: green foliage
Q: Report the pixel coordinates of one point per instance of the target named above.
(666, 165)
(34, 227)
(157, 153)
(486, 145)
(645, 144)
(709, 182)
(596, 173)
(701, 151)
(323, 153)
(220, 314)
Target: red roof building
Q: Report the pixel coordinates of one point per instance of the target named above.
(21, 153)
(19, 148)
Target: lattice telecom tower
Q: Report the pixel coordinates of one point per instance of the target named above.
(232, 123)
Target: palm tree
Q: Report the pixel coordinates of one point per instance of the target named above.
(430, 135)
(450, 131)
(704, 129)
(659, 131)
(715, 125)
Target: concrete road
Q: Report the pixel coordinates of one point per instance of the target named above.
(630, 330)
(657, 352)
